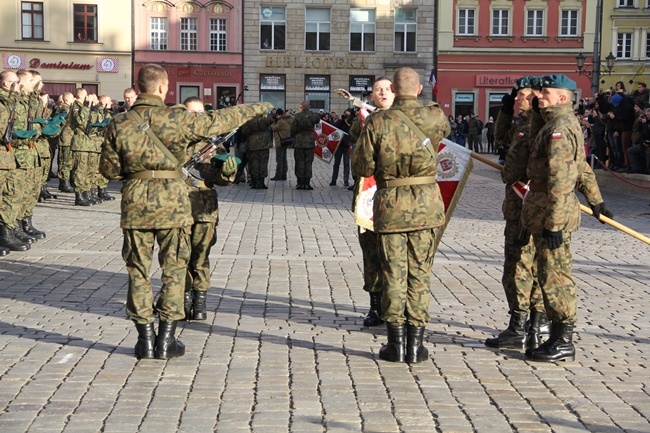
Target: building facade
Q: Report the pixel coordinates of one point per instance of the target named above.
(626, 34)
(198, 42)
(72, 43)
(484, 45)
(306, 50)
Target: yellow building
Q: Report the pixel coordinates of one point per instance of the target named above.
(626, 34)
(72, 43)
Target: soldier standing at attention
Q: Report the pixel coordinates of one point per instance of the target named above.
(551, 211)
(302, 131)
(205, 213)
(146, 147)
(519, 270)
(65, 140)
(382, 97)
(399, 146)
(259, 141)
(100, 183)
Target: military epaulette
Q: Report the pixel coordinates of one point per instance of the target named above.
(432, 104)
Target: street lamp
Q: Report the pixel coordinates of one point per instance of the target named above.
(580, 62)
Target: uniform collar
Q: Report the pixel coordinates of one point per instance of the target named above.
(405, 101)
(148, 99)
(557, 110)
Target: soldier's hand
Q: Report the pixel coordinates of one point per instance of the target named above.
(600, 209)
(229, 167)
(553, 239)
(508, 102)
(535, 104)
(523, 236)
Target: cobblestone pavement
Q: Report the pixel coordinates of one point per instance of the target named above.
(284, 348)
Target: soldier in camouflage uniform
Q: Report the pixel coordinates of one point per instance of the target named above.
(302, 131)
(519, 270)
(155, 203)
(259, 141)
(9, 96)
(205, 213)
(399, 146)
(551, 211)
(382, 97)
(97, 134)
(65, 159)
(85, 112)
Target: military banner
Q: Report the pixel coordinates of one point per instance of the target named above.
(454, 166)
(327, 138)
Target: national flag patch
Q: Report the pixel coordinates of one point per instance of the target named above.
(521, 134)
(556, 135)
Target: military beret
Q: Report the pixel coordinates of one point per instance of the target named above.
(528, 82)
(222, 158)
(559, 81)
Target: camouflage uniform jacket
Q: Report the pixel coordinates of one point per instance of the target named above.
(80, 117)
(161, 203)
(204, 198)
(97, 132)
(556, 164)
(302, 129)
(65, 138)
(389, 149)
(7, 157)
(257, 132)
(514, 168)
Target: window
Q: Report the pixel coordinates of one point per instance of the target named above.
(406, 29)
(188, 34)
(218, 34)
(625, 4)
(317, 29)
(647, 44)
(535, 22)
(85, 23)
(158, 27)
(362, 29)
(624, 46)
(466, 22)
(32, 20)
(569, 23)
(273, 26)
(500, 22)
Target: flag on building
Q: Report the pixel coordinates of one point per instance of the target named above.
(327, 138)
(454, 166)
(433, 82)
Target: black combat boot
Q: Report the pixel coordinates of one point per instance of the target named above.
(144, 348)
(559, 346)
(254, 183)
(81, 200)
(276, 177)
(45, 194)
(64, 186)
(167, 346)
(22, 236)
(187, 305)
(94, 198)
(544, 324)
(4, 251)
(306, 185)
(9, 240)
(415, 350)
(89, 197)
(301, 185)
(104, 195)
(514, 336)
(533, 334)
(373, 318)
(260, 183)
(198, 305)
(395, 349)
(30, 229)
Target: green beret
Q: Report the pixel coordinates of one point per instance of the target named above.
(217, 159)
(58, 119)
(51, 129)
(528, 82)
(24, 134)
(535, 83)
(559, 81)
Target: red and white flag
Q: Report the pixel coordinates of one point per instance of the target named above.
(454, 166)
(327, 138)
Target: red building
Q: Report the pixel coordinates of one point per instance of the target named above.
(198, 42)
(484, 45)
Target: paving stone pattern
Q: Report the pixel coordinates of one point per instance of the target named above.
(284, 348)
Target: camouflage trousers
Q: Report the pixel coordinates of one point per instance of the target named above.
(66, 161)
(202, 238)
(173, 255)
(258, 163)
(304, 158)
(371, 264)
(97, 179)
(46, 163)
(555, 280)
(33, 190)
(520, 273)
(13, 196)
(81, 174)
(406, 260)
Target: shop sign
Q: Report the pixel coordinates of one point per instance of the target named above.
(351, 63)
(496, 97)
(108, 64)
(36, 63)
(464, 97)
(272, 82)
(317, 83)
(359, 83)
(496, 80)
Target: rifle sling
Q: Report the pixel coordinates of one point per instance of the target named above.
(424, 140)
(144, 127)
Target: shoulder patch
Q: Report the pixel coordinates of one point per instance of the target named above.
(556, 135)
(521, 134)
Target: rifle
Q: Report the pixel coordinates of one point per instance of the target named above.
(355, 101)
(30, 112)
(12, 117)
(191, 167)
(89, 124)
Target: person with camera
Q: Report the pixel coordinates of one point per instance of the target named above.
(282, 138)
